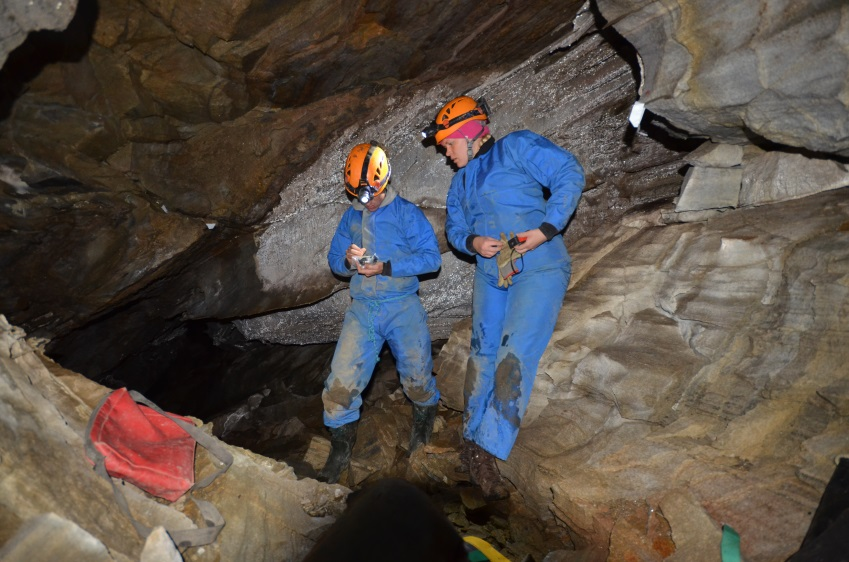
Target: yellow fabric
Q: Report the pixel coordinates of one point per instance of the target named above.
(486, 548)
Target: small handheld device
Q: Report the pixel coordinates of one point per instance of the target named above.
(515, 241)
(366, 260)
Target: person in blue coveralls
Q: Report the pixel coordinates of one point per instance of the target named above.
(507, 205)
(383, 242)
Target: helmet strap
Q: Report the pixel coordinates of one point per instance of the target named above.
(470, 142)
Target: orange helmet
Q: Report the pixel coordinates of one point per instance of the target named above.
(452, 116)
(366, 171)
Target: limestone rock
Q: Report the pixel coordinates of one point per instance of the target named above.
(707, 188)
(239, 116)
(780, 176)
(697, 535)
(730, 68)
(716, 155)
(160, 548)
(18, 19)
(269, 513)
(50, 537)
(618, 177)
(452, 359)
(727, 176)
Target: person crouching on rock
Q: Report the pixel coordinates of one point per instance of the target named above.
(383, 242)
(507, 205)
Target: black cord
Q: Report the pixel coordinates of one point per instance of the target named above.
(513, 261)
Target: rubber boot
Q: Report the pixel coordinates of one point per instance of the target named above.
(484, 473)
(341, 444)
(423, 418)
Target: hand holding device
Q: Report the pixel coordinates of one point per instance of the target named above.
(515, 241)
(366, 259)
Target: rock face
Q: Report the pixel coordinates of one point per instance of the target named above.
(694, 379)
(269, 513)
(193, 167)
(20, 19)
(620, 176)
(737, 71)
(696, 373)
(162, 163)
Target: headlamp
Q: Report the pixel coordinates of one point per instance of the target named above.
(366, 193)
(430, 130)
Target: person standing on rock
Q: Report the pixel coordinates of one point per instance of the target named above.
(383, 242)
(507, 205)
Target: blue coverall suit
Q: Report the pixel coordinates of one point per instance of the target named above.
(502, 190)
(384, 308)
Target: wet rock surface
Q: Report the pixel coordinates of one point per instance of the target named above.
(691, 382)
(695, 379)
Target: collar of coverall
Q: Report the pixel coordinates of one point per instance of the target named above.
(486, 147)
(390, 195)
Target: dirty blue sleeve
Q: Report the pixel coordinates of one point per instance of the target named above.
(553, 167)
(423, 249)
(339, 245)
(457, 228)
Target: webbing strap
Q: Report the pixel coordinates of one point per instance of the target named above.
(210, 443)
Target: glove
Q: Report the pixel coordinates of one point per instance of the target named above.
(506, 263)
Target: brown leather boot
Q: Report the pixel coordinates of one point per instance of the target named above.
(485, 473)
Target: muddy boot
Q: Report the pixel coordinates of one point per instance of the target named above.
(485, 474)
(341, 444)
(423, 417)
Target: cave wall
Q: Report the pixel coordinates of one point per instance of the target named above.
(164, 163)
(158, 141)
(744, 72)
(694, 379)
(137, 206)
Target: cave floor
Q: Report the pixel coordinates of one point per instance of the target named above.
(289, 428)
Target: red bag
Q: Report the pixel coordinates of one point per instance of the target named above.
(144, 447)
(131, 438)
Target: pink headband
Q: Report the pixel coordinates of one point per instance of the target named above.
(470, 130)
